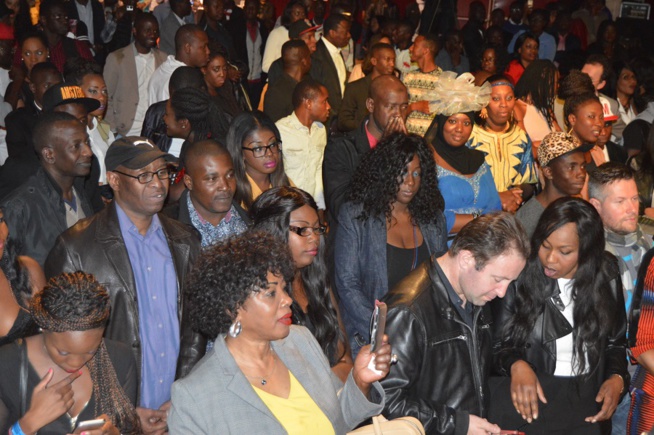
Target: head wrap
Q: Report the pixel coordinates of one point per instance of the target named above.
(452, 95)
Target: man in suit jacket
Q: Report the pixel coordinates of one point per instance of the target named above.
(331, 71)
(127, 74)
(175, 19)
(143, 259)
(353, 107)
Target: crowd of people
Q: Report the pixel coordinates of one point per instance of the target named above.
(202, 205)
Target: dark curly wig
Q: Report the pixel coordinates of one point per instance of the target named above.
(377, 180)
(271, 212)
(228, 273)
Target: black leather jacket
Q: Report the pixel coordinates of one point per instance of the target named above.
(540, 349)
(443, 363)
(96, 246)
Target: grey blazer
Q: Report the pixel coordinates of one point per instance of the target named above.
(217, 398)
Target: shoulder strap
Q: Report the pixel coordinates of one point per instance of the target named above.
(23, 376)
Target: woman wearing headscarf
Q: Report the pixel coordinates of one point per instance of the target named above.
(464, 177)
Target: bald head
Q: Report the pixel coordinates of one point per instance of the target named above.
(385, 84)
(198, 151)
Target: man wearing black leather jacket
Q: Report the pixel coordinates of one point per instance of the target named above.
(143, 259)
(440, 328)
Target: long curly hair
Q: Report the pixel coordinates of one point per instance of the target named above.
(594, 306)
(241, 128)
(228, 273)
(271, 212)
(377, 180)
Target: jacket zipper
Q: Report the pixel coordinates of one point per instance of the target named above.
(476, 372)
(460, 337)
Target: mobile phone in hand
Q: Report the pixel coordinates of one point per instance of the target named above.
(377, 326)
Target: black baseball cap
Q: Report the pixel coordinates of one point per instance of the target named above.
(63, 93)
(299, 28)
(134, 152)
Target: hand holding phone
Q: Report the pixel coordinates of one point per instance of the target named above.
(89, 425)
(378, 325)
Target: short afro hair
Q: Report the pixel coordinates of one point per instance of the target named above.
(228, 273)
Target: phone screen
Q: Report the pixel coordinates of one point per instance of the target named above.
(378, 326)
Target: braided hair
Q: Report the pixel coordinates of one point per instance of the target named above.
(207, 120)
(78, 302)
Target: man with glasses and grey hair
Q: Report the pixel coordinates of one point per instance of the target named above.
(142, 258)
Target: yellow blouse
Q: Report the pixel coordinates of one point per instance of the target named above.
(298, 414)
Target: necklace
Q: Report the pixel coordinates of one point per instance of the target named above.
(262, 380)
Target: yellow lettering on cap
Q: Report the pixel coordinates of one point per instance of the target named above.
(71, 92)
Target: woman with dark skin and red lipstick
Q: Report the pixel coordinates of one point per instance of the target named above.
(561, 332)
(264, 375)
(255, 145)
(291, 214)
(72, 373)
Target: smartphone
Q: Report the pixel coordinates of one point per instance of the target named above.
(90, 425)
(377, 326)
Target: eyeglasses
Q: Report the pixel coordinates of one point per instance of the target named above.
(307, 231)
(261, 151)
(146, 177)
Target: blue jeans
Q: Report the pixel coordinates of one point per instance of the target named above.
(620, 416)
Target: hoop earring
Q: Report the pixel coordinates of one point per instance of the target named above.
(483, 114)
(235, 329)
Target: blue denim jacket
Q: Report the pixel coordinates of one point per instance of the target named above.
(360, 272)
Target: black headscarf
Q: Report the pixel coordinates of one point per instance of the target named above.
(463, 159)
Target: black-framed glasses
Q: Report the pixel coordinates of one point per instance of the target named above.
(307, 231)
(146, 177)
(260, 151)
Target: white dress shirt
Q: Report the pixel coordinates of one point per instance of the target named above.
(303, 150)
(144, 69)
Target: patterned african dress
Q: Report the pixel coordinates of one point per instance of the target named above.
(418, 84)
(508, 154)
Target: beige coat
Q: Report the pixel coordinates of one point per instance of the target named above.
(122, 85)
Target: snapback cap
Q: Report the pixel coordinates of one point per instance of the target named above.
(62, 93)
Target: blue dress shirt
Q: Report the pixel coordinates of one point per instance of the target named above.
(157, 293)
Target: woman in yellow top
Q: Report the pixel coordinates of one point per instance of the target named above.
(265, 375)
(506, 146)
(255, 145)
